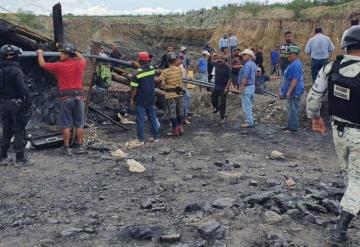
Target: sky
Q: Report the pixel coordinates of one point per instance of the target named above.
(116, 7)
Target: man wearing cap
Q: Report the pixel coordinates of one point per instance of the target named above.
(293, 88)
(171, 83)
(246, 82)
(221, 89)
(203, 66)
(69, 73)
(143, 99)
(339, 83)
(186, 60)
(319, 48)
(261, 79)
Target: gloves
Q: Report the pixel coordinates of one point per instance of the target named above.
(318, 125)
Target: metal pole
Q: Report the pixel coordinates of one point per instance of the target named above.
(92, 107)
(29, 54)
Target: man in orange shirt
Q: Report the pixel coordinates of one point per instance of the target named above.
(69, 73)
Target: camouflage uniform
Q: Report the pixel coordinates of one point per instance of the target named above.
(347, 143)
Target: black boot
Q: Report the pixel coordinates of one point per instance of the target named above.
(339, 236)
(3, 153)
(4, 160)
(22, 160)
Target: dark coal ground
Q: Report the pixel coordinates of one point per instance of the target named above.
(93, 200)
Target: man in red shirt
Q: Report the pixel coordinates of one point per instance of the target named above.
(69, 73)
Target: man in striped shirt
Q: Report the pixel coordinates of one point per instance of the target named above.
(171, 83)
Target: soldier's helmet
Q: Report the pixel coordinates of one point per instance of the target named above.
(351, 37)
(9, 50)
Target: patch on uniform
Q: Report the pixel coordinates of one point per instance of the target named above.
(341, 92)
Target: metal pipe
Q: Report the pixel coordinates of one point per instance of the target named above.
(271, 93)
(198, 83)
(26, 54)
(209, 85)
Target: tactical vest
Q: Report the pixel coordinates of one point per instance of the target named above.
(344, 93)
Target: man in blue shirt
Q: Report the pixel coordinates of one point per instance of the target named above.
(293, 88)
(246, 80)
(143, 99)
(224, 43)
(203, 66)
(275, 54)
(319, 48)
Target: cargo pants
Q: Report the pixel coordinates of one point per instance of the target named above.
(347, 148)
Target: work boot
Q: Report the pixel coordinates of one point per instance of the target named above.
(174, 132)
(81, 149)
(3, 153)
(21, 160)
(339, 235)
(67, 152)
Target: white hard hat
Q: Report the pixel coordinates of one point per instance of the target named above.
(183, 48)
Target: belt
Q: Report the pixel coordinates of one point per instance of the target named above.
(177, 90)
(71, 93)
(340, 126)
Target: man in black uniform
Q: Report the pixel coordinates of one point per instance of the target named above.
(15, 102)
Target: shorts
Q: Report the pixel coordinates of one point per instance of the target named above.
(173, 107)
(71, 113)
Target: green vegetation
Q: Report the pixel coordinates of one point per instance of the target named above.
(28, 19)
(253, 7)
(298, 5)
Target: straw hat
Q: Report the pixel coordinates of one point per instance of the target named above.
(248, 52)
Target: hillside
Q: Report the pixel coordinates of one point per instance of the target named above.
(195, 28)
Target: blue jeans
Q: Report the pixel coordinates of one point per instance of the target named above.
(140, 112)
(316, 65)
(204, 77)
(293, 112)
(247, 104)
(186, 102)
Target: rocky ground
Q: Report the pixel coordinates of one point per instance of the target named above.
(215, 186)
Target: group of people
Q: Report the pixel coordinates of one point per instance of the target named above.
(338, 80)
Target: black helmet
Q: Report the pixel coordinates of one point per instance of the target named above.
(171, 56)
(68, 48)
(351, 37)
(9, 50)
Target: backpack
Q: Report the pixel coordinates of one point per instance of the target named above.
(104, 75)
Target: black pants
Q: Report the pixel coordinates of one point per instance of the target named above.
(14, 120)
(215, 97)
